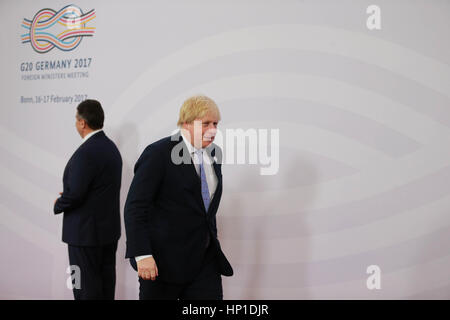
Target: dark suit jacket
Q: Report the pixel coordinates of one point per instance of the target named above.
(165, 215)
(91, 194)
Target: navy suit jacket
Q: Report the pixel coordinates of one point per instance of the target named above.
(165, 215)
(91, 193)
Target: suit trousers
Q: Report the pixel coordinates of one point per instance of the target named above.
(207, 285)
(97, 266)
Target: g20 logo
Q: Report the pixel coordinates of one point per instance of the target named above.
(63, 29)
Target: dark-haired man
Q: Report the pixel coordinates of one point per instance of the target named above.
(91, 206)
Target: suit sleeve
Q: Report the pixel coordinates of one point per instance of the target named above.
(148, 175)
(82, 172)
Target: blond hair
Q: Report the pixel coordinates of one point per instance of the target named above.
(196, 107)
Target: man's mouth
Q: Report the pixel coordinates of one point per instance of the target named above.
(208, 138)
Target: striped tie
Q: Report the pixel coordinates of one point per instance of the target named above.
(204, 183)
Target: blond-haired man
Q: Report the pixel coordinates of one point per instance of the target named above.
(170, 212)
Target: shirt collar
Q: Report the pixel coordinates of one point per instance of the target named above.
(190, 147)
(193, 149)
(91, 134)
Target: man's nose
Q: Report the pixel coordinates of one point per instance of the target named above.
(212, 129)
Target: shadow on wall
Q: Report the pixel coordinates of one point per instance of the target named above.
(256, 274)
(126, 139)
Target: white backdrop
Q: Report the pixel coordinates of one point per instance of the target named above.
(363, 118)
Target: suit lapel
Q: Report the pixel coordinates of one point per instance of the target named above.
(217, 166)
(218, 170)
(187, 169)
(190, 175)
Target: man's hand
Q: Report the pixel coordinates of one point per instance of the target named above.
(147, 269)
(58, 198)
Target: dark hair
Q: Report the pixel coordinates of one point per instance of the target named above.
(91, 111)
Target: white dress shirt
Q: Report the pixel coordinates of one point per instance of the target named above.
(91, 134)
(211, 177)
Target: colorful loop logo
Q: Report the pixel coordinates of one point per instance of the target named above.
(71, 18)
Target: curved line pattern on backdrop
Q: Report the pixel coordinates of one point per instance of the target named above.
(325, 225)
(427, 161)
